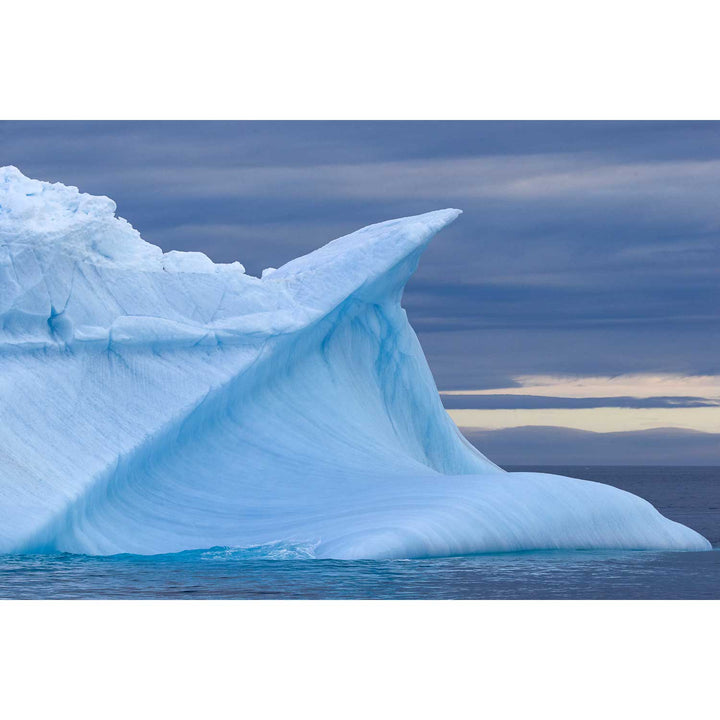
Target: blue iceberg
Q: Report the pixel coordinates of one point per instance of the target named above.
(158, 402)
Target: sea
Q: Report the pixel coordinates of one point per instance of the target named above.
(690, 495)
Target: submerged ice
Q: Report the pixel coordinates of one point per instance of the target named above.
(158, 402)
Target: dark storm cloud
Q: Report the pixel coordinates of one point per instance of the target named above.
(583, 248)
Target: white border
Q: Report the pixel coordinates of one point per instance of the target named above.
(358, 660)
(375, 60)
(380, 59)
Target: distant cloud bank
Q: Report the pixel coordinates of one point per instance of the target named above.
(562, 446)
(547, 418)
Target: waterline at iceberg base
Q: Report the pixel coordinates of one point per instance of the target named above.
(159, 403)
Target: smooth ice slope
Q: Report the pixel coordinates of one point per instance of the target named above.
(158, 402)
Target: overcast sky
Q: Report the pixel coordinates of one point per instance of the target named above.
(585, 249)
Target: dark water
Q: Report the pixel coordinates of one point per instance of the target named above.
(688, 495)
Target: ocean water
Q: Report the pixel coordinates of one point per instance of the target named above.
(690, 495)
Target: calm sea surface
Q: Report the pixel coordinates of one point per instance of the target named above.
(688, 495)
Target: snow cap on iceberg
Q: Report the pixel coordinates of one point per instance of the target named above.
(41, 214)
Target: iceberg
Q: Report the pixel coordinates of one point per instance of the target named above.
(159, 402)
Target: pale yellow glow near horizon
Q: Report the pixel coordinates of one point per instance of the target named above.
(603, 420)
(643, 385)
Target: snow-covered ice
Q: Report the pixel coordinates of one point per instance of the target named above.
(155, 403)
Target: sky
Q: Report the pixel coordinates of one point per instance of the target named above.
(575, 303)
